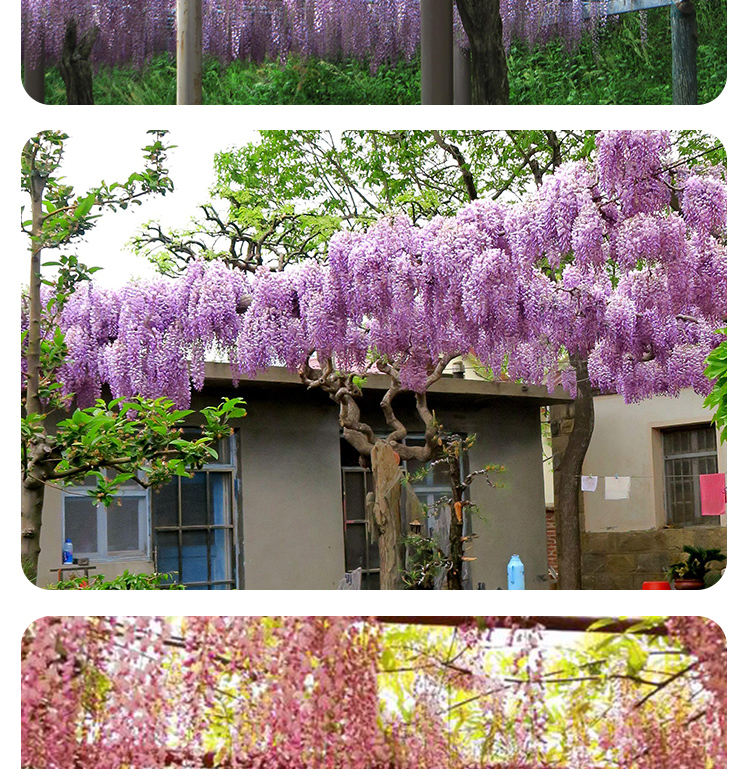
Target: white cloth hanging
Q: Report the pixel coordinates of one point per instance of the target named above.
(589, 482)
(617, 487)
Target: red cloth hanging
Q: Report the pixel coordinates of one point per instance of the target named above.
(713, 494)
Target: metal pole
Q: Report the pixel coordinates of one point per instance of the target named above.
(189, 51)
(437, 51)
(461, 75)
(33, 75)
(684, 53)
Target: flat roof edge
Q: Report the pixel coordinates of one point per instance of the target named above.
(218, 373)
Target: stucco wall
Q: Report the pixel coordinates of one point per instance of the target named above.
(627, 441)
(291, 529)
(626, 542)
(291, 522)
(510, 519)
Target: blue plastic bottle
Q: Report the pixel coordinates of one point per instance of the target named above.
(515, 574)
(67, 552)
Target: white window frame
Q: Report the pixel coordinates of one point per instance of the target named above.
(144, 526)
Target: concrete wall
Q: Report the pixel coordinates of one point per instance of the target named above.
(627, 441)
(291, 523)
(627, 542)
(510, 519)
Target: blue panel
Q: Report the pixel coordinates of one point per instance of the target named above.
(194, 556)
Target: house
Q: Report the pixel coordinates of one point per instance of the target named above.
(663, 444)
(283, 507)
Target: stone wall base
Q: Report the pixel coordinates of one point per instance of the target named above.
(624, 560)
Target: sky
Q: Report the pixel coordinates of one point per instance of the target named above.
(117, 154)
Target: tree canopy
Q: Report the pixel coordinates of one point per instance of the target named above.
(356, 693)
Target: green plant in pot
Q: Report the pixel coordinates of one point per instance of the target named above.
(694, 572)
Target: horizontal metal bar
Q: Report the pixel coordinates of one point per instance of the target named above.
(577, 624)
(616, 7)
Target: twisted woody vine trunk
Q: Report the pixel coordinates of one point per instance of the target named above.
(489, 67)
(384, 455)
(75, 64)
(567, 508)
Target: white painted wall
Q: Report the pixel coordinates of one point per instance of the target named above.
(626, 441)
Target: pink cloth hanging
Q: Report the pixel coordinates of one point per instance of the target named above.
(713, 494)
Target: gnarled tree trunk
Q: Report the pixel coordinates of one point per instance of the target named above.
(567, 512)
(32, 501)
(386, 513)
(75, 66)
(489, 68)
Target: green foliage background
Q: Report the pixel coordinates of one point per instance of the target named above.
(620, 69)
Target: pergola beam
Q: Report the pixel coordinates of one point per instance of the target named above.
(572, 624)
(616, 7)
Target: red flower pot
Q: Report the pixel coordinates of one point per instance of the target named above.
(656, 585)
(688, 584)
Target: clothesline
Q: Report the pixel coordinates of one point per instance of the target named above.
(616, 475)
(713, 489)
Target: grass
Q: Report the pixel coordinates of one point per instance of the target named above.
(620, 69)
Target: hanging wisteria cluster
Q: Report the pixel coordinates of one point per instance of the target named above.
(621, 263)
(287, 692)
(376, 30)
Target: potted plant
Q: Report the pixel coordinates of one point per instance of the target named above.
(691, 573)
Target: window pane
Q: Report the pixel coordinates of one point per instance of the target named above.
(354, 499)
(221, 498)
(371, 581)
(164, 504)
(122, 524)
(349, 455)
(374, 555)
(167, 546)
(691, 452)
(194, 500)
(222, 448)
(80, 525)
(355, 546)
(194, 556)
(221, 554)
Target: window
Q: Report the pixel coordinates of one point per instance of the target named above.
(357, 483)
(194, 524)
(688, 453)
(119, 532)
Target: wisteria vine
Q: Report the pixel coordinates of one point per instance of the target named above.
(132, 31)
(281, 692)
(621, 262)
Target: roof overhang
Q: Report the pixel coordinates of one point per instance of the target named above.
(220, 374)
